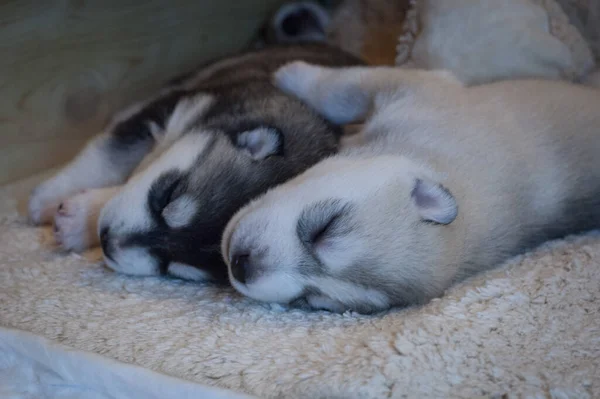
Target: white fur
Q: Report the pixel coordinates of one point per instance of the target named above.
(180, 212)
(187, 111)
(486, 40)
(511, 154)
(188, 272)
(94, 168)
(76, 223)
(127, 212)
(88, 170)
(133, 261)
(259, 143)
(335, 109)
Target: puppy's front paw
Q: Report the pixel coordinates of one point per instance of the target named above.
(76, 220)
(298, 77)
(335, 93)
(44, 200)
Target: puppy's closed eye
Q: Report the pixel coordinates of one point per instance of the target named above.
(324, 220)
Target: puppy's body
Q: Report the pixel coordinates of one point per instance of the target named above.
(444, 181)
(209, 142)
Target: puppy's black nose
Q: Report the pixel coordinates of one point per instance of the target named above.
(241, 267)
(105, 242)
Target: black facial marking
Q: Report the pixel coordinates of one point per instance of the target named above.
(163, 190)
(135, 129)
(181, 246)
(171, 184)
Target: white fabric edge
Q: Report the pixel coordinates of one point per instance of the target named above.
(104, 375)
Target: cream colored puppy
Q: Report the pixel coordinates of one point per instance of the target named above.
(443, 182)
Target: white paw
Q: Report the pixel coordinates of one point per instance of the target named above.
(327, 90)
(76, 219)
(298, 77)
(44, 200)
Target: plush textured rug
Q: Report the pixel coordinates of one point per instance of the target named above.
(528, 329)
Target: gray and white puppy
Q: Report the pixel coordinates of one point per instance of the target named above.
(444, 181)
(216, 138)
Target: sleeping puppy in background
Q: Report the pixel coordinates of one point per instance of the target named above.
(209, 142)
(371, 30)
(443, 182)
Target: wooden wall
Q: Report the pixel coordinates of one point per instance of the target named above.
(66, 65)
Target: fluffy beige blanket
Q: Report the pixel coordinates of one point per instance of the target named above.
(486, 40)
(530, 328)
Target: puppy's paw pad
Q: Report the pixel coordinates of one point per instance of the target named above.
(41, 208)
(74, 227)
(44, 200)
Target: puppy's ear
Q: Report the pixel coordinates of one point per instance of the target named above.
(300, 22)
(434, 202)
(261, 142)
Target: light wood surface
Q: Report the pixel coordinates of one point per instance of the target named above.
(67, 65)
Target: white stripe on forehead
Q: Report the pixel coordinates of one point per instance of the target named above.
(180, 156)
(187, 111)
(127, 212)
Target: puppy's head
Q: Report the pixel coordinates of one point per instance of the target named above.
(239, 142)
(349, 233)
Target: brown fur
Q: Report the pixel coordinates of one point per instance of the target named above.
(369, 28)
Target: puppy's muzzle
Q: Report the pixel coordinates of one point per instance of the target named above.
(243, 268)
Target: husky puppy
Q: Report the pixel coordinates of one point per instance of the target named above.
(443, 181)
(371, 30)
(220, 136)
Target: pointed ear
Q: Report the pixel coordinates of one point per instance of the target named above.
(434, 202)
(299, 22)
(261, 142)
